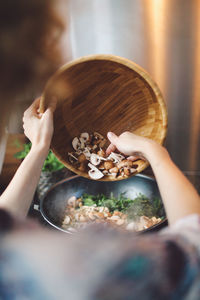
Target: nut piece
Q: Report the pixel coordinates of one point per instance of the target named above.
(125, 163)
(127, 171)
(82, 158)
(101, 166)
(101, 153)
(108, 165)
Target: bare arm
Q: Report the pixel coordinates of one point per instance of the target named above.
(38, 128)
(179, 196)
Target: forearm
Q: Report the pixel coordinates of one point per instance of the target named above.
(19, 194)
(179, 196)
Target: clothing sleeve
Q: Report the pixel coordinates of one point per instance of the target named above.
(159, 266)
(187, 227)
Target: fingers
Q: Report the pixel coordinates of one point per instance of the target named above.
(52, 104)
(111, 148)
(113, 139)
(133, 157)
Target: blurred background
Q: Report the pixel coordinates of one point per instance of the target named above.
(162, 36)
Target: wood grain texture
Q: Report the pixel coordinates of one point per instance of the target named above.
(104, 93)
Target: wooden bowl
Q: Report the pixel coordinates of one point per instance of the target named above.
(104, 93)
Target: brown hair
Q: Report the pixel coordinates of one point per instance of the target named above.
(29, 32)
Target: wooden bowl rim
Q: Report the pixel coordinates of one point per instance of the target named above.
(131, 65)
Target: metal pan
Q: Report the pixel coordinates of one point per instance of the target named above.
(53, 204)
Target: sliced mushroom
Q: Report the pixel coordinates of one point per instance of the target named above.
(82, 141)
(94, 147)
(95, 159)
(113, 175)
(98, 135)
(105, 172)
(131, 226)
(66, 220)
(116, 157)
(76, 143)
(72, 157)
(94, 173)
(120, 222)
(72, 201)
(87, 153)
(114, 170)
(85, 136)
(133, 170)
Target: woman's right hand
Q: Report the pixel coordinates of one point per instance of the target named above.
(131, 144)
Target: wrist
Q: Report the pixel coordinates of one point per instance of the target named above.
(155, 153)
(40, 148)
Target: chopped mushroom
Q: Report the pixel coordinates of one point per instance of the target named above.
(95, 159)
(85, 136)
(88, 148)
(77, 215)
(76, 143)
(94, 173)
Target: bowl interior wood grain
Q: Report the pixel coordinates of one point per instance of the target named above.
(104, 93)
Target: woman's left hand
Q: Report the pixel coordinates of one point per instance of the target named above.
(39, 127)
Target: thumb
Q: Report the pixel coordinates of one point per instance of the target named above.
(113, 138)
(52, 104)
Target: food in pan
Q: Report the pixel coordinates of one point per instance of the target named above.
(124, 213)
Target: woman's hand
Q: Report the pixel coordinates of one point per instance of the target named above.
(39, 127)
(131, 144)
(178, 195)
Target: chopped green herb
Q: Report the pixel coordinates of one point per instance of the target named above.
(140, 206)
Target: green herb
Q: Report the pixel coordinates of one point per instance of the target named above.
(22, 154)
(51, 163)
(139, 206)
